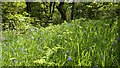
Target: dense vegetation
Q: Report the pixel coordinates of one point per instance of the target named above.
(60, 34)
(18, 14)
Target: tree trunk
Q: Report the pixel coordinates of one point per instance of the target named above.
(62, 11)
(28, 8)
(52, 6)
(72, 13)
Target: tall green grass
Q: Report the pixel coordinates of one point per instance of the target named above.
(78, 43)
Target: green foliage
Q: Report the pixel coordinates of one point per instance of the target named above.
(89, 40)
(97, 10)
(14, 16)
(87, 43)
(40, 12)
(20, 22)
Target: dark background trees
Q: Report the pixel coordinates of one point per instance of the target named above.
(42, 14)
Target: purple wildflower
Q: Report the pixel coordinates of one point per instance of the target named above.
(15, 61)
(95, 66)
(69, 58)
(118, 39)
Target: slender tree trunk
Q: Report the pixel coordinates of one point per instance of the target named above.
(72, 13)
(28, 8)
(52, 6)
(62, 11)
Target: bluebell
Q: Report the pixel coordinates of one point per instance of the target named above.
(118, 39)
(15, 61)
(69, 58)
